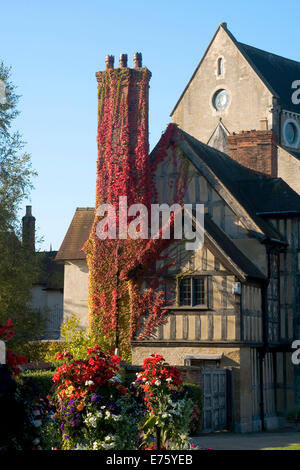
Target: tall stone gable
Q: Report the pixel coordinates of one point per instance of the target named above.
(250, 101)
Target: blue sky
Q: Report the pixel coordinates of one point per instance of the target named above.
(56, 47)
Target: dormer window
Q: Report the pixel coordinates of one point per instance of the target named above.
(220, 66)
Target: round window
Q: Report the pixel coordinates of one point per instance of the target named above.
(221, 99)
(290, 133)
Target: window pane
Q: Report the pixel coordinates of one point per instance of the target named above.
(199, 291)
(185, 291)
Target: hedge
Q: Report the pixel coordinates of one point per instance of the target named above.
(35, 383)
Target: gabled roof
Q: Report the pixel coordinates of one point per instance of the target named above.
(231, 256)
(77, 234)
(238, 262)
(255, 193)
(276, 72)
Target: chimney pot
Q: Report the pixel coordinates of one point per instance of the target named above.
(28, 211)
(137, 60)
(123, 60)
(109, 62)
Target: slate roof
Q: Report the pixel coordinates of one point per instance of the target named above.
(77, 234)
(277, 71)
(255, 192)
(231, 250)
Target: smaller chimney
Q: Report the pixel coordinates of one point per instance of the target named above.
(123, 60)
(137, 60)
(255, 149)
(109, 62)
(28, 230)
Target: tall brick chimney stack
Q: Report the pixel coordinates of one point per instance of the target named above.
(256, 149)
(123, 101)
(28, 230)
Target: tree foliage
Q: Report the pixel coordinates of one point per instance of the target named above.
(18, 268)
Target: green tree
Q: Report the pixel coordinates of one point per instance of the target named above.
(18, 267)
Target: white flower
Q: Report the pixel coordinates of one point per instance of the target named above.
(169, 379)
(157, 382)
(144, 379)
(89, 382)
(99, 414)
(116, 417)
(107, 414)
(93, 421)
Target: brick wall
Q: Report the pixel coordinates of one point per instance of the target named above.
(254, 149)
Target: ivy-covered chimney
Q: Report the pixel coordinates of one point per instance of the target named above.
(28, 229)
(123, 101)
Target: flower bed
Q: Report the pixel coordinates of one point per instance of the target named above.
(95, 411)
(85, 406)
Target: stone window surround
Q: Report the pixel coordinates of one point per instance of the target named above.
(291, 119)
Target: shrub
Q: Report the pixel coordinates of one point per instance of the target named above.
(194, 392)
(35, 383)
(43, 351)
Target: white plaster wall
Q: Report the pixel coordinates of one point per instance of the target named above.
(76, 291)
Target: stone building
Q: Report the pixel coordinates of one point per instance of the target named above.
(236, 302)
(47, 291)
(245, 93)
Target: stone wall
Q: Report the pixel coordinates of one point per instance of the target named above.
(250, 102)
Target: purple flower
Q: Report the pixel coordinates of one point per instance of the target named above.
(95, 398)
